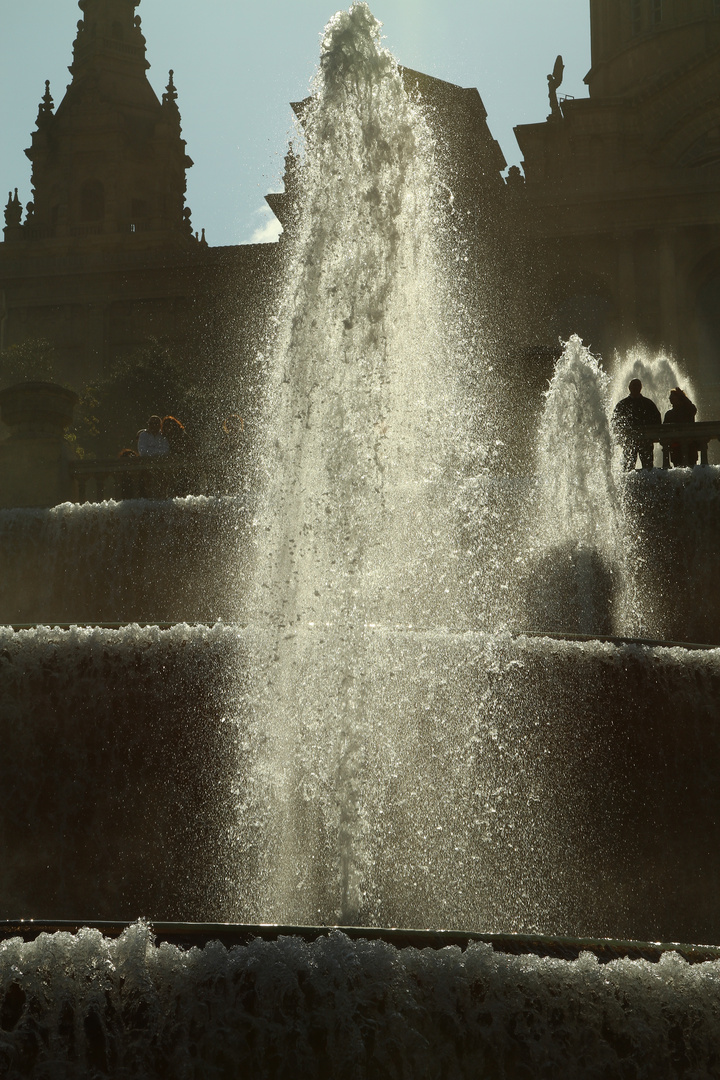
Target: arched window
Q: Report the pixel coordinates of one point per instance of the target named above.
(117, 31)
(657, 12)
(92, 201)
(636, 15)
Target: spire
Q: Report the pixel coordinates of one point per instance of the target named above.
(109, 28)
(13, 210)
(169, 103)
(170, 95)
(47, 106)
(109, 164)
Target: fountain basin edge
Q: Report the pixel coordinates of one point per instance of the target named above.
(188, 935)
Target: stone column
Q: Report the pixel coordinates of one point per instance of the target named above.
(35, 459)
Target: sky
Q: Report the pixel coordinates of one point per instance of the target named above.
(239, 63)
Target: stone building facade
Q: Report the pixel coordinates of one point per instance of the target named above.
(105, 256)
(611, 230)
(621, 190)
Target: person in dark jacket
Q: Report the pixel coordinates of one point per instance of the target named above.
(683, 411)
(631, 414)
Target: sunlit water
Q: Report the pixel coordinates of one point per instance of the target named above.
(356, 533)
(575, 533)
(659, 374)
(337, 1008)
(594, 552)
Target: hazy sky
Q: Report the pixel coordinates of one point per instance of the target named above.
(238, 63)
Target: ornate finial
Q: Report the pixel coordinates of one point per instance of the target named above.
(187, 221)
(137, 25)
(170, 95)
(47, 106)
(554, 82)
(515, 180)
(13, 210)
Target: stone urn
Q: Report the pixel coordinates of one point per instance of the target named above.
(37, 409)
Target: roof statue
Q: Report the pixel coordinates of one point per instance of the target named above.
(554, 82)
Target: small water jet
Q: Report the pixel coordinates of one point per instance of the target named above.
(658, 373)
(576, 542)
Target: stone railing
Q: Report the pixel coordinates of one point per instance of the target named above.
(142, 478)
(688, 438)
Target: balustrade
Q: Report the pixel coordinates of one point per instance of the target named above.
(687, 437)
(141, 478)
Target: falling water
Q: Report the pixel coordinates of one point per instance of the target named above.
(668, 543)
(658, 373)
(82, 1006)
(170, 560)
(577, 527)
(356, 531)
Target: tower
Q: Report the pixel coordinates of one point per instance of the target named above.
(108, 166)
(103, 259)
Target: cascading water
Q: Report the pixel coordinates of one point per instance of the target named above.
(356, 533)
(609, 552)
(167, 560)
(335, 1008)
(576, 546)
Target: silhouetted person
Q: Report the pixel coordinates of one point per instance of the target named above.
(683, 411)
(151, 441)
(632, 414)
(178, 439)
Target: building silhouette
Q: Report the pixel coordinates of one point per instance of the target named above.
(610, 230)
(104, 257)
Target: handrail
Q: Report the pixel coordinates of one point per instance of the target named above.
(163, 477)
(688, 437)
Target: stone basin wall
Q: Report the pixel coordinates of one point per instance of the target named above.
(512, 785)
(118, 773)
(174, 560)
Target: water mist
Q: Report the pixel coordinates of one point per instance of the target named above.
(355, 530)
(576, 542)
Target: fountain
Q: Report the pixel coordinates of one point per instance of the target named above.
(377, 745)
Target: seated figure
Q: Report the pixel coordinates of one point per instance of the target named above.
(683, 411)
(151, 441)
